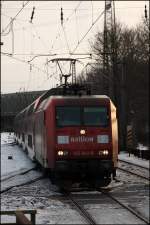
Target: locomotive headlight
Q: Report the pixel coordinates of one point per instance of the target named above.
(62, 153)
(103, 152)
(82, 131)
(103, 139)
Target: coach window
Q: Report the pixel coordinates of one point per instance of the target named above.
(68, 116)
(95, 116)
(30, 140)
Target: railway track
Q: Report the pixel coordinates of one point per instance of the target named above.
(22, 184)
(80, 208)
(93, 198)
(133, 164)
(127, 207)
(17, 174)
(89, 218)
(135, 174)
(132, 168)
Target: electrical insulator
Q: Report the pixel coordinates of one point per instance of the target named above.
(61, 16)
(145, 13)
(108, 5)
(32, 14)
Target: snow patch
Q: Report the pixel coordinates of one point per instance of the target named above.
(141, 147)
(133, 159)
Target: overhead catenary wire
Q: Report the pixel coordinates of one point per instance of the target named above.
(68, 48)
(65, 35)
(59, 33)
(77, 26)
(70, 9)
(64, 23)
(21, 60)
(50, 76)
(39, 37)
(23, 46)
(88, 31)
(92, 10)
(38, 55)
(12, 31)
(14, 17)
(83, 36)
(35, 33)
(29, 77)
(33, 66)
(5, 34)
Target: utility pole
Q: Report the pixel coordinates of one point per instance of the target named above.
(116, 85)
(109, 47)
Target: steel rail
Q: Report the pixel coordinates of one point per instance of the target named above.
(134, 212)
(17, 174)
(143, 167)
(135, 174)
(81, 210)
(23, 184)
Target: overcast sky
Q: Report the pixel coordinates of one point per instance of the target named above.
(45, 35)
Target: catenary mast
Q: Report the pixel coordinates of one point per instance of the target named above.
(109, 47)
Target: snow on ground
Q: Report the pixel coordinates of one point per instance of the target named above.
(133, 159)
(19, 162)
(39, 195)
(7, 138)
(112, 215)
(20, 180)
(142, 147)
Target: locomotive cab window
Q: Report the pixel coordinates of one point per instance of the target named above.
(96, 116)
(68, 116)
(82, 116)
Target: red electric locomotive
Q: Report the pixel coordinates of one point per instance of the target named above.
(75, 137)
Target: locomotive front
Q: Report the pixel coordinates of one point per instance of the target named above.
(85, 139)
